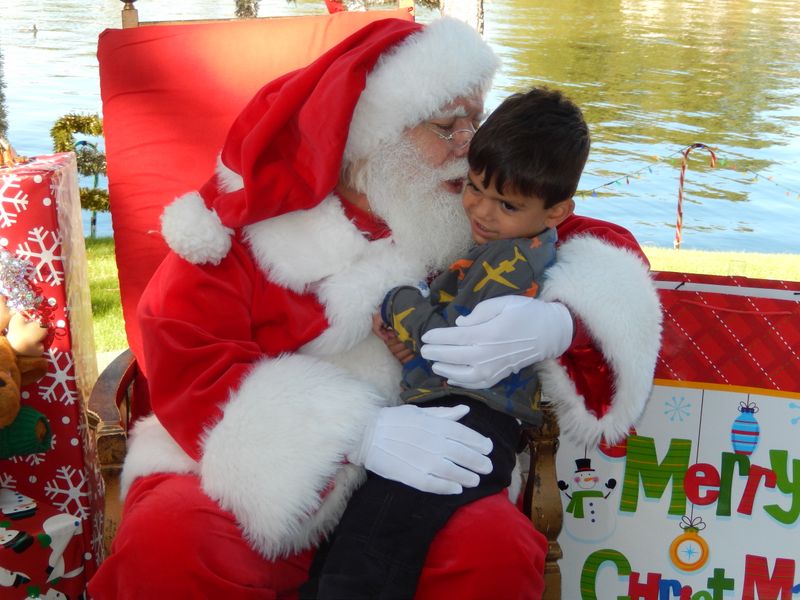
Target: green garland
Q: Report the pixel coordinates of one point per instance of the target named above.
(90, 160)
(94, 199)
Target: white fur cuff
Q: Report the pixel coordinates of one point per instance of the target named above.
(152, 450)
(610, 290)
(281, 441)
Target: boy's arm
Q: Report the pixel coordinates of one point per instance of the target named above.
(409, 313)
(501, 268)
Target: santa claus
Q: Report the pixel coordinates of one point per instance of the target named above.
(270, 393)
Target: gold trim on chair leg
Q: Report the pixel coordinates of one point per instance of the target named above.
(543, 498)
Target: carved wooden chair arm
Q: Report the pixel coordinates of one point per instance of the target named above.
(108, 414)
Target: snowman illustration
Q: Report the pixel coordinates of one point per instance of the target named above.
(15, 505)
(51, 594)
(12, 578)
(60, 529)
(588, 516)
(16, 540)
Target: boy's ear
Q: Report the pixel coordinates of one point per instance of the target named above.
(557, 213)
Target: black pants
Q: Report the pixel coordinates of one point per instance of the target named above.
(379, 547)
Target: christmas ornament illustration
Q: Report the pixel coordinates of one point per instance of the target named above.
(745, 429)
(588, 515)
(689, 551)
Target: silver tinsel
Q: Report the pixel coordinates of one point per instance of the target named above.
(15, 286)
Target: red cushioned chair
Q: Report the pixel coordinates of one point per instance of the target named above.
(170, 92)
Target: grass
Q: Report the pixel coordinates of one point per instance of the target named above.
(784, 267)
(109, 329)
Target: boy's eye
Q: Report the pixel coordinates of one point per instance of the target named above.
(507, 206)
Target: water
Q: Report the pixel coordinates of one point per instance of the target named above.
(653, 77)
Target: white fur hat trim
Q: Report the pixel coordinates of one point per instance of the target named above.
(445, 60)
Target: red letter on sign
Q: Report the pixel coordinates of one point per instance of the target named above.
(759, 584)
(701, 475)
(756, 473)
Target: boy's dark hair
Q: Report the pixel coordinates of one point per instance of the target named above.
(534, 144)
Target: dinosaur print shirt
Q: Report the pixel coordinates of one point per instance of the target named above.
(498, 268)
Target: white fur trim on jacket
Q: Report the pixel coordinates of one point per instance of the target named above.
(445, 60)
(353, 295)
(611, 291)
(152, 450)
(194, 232)
(283, 437)
(304, 246)
(321, 251)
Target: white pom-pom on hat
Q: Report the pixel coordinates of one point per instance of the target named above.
(194, 232)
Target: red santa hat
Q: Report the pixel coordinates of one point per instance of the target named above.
(285, 150)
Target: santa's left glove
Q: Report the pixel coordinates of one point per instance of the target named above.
(499, 337)
(425, 448)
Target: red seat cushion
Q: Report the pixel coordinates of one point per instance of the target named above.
(170, 94)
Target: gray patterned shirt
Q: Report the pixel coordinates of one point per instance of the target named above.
(498, 268)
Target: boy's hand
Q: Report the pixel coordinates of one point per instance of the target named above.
(389, 336)
(25, 336)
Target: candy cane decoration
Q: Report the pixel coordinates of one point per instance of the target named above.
(684, 164)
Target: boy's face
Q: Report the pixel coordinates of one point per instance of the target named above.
(496, 216)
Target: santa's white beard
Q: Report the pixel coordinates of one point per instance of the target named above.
(427, 222)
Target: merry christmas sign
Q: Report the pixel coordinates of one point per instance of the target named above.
(702, 501)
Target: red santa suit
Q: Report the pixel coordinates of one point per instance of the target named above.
(262, 367)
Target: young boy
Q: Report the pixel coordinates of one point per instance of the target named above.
(525, 162)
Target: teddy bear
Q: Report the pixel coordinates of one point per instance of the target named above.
(23, 430)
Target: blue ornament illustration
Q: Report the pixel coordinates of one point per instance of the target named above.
(745, 429)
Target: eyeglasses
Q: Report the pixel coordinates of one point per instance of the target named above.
(458, 139)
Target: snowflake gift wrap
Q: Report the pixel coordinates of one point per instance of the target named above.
(40, 221)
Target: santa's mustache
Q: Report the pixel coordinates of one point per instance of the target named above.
(426, 218)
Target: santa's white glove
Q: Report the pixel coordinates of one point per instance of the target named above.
(425, 448)
(499, 337)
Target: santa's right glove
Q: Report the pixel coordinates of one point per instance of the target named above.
(425, 448)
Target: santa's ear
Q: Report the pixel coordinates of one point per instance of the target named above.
(31, 368)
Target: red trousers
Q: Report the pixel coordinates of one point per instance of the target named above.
(175, 542)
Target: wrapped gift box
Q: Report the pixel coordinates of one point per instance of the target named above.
(41, 549)
(702, 499)
(40, 221)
